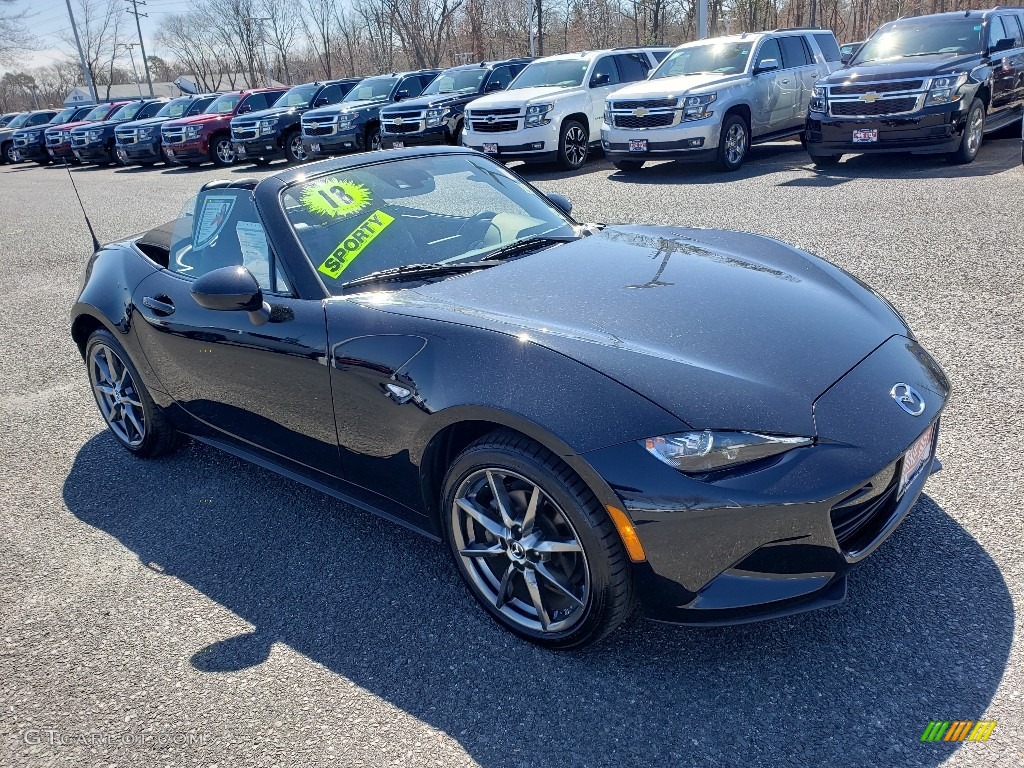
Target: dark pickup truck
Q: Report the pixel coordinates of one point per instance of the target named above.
(206, 137)
(138, 142)
(277, 132)
(436, 116)
(8, 153)
(30, 143)
(94, 143)
(926, 85)
(353, 124)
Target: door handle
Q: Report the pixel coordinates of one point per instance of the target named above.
(784, 82)
(160, 307)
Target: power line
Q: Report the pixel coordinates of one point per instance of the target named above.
(134, 10)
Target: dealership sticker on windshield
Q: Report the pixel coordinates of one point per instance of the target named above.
(353, 245)
(335, 197)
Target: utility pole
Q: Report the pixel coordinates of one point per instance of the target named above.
(134, 10)
(702, 19)
(81, 55)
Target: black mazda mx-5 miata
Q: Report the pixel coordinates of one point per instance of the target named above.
(713, 424)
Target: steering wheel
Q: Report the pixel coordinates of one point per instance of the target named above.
(476, 227)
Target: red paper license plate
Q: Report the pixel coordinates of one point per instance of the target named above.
(917, 459)
(865, 136)
(491, 149)
(398, 144)
(638, 145)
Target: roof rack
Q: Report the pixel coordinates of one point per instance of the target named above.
(795, 29)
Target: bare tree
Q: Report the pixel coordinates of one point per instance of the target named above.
(318, 23)
(282, 28)
(102, 30)
(422, 26)
(15, 36)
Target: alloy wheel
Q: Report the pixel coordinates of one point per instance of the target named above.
(735, 143)
(975, 131)
(298, 151)
(520, 551)
(117, 395)
(12, 154)
(575, 145)
(374, 142)
(225, 152)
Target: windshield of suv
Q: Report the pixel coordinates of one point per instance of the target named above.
(223, 105)
(128, 111)
(63, 116)
(299, 96)
(372, 88)
(561, 72)
(19, 120)
(99, 113)
(441, 209)
(174, 108)
(917, 37)
(456, 81)
(714, 58)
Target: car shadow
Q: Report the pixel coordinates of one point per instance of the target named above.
(924, 636)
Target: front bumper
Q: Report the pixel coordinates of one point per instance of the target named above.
(141, 152)
(264, 148)
(94, 153)
(61, 152)
(694, 141)
(341, 143)
(426, 138)
(778, 539)
(933, 130)
(538, 144)
(32, 152)
(194, 151)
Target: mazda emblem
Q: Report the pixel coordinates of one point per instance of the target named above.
(908, 398)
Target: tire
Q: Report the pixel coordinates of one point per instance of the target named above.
(591, 564)
(457, 138)
(163, 157)
(734, 143)
(628, 165)
(974, 133)
(293, 149)
(371, 138)
(825, 161)
(262, 162)
(108, 363)
(7, 153)
(222, 154)
(573, 145)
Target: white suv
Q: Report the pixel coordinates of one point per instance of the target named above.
(711, 99)
(553, 109)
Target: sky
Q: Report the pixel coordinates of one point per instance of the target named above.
(50, 17)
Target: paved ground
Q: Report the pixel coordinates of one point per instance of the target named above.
(275, 627)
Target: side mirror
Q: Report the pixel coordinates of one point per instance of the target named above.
(1004, 44)
(601, 78)
(402, 94)
(323, 101)
(244, 108)
(494, 85)
(231, 289)
(845, 59)
(766, 65)
(561, 202)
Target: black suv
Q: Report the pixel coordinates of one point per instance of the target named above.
(8, 152)
(927, 84)
(270, 133)
(139, 142)
(30, 143)
(436, 117)
(353, 124)
(95, 142)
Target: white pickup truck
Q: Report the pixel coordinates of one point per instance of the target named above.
(553, 109)
(710, 99)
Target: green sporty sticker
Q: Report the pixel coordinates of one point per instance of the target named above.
(335, 197)
(354, 243)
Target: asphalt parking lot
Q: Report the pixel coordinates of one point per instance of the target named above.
(196, 598)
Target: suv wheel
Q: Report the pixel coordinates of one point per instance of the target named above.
(221, 151)
(974, 132)
(628, 165)
(573, 145)
(371, 140)
(533, 545)
(734, 143)
(9, 154)
(293, 148)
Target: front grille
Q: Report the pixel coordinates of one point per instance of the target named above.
(127, 137)
(854, 89)
(54, 139)
(403, 128)
(483, 114)
(860, 517)
(79, 139)
(20, 141)
(245, 131)
(880, 107)
(498, 126)
(173, 136)
(660, 120)
(406, 115)
(645, 104)
(319, 129)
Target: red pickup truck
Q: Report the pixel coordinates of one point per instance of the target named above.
(206, 137)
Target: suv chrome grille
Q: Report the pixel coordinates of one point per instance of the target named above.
(644, 104)
(79, 139)
(173, 135)
(128, 136)
(853, 89)
(873, 109)
(657, 120)
(402, 121)
(498, 126)
(483, 114)
(245, 131)
(319, 128)
(21, 141)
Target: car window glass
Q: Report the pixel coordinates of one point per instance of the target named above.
(605, 66)
(371, 88)
(659, 56)
(39, 119)
(769, 50)
(995, 31)
(221, 228)
(502, 76)
(424, 81)
(330, 95)
(829, 47)
(632, 67)
(1012, 29)
(253, 102)
(150, 110)
(794, 53)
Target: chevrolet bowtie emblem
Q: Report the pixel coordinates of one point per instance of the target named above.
(398, 121)
(641, 112)
(870, 98)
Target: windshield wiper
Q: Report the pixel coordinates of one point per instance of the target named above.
(527, 244)
(416, 271)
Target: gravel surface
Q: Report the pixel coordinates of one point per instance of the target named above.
(198, 611)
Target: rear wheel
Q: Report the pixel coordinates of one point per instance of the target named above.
(573, 145)
(130, 413)
(734, 143)
(974, 132)
(533, 545)
(293, 149)
(222, 153)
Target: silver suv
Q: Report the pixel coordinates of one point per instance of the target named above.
(710, 99)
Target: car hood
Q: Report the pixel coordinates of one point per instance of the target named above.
(519, 96)
(147, 122)
(725, 330)
(101, 124)
(909, 66)
(668, 87)
(436, 100)
(263, 114)
(68, 126)
(199, 119)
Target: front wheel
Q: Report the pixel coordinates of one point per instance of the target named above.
(293, 149)
(9, 153)
(371, 139)
(573, 145)
(533, 545)
(734, 143)
(222, 153)
(974, 131)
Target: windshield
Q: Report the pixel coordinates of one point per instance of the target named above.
(223, 105)
(561, 72)
(716, 58)
(299, 96)
(456, 81)
(63, 116)
(447, 208)
(920, 38)
(99, 113)
(19, 120)
(128, 111)
(372, 88)
(174, 108)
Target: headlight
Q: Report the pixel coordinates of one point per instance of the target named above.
(32, 135)
(436, 117)
(145, 133)
(818, 99)
(698, 452)
(536, 115)
(95, 135)
(696, 107)
(193, 131)
(268, 126)
(944, 89)
(346, 119)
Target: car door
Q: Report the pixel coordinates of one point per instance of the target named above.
(1003, 73)
(798, 76)
(1010, 60)
(773, 102)
(604, 78)
(265, 385)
